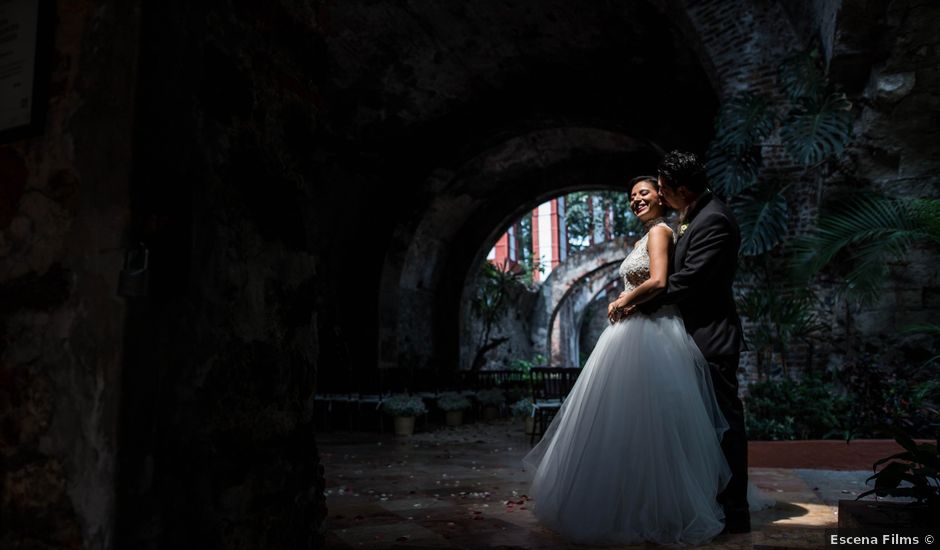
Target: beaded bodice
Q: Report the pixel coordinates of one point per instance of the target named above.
(636, 266)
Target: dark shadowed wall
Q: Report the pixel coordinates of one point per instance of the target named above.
(310, 177)
(63, 214)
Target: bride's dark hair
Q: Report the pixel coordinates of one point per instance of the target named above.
(654, 180)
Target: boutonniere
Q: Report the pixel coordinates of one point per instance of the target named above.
(682, 228)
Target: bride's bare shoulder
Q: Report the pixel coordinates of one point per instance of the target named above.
(663, 228)
(660, 236)
(660, 230)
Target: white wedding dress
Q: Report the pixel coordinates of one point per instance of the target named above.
(634, 452)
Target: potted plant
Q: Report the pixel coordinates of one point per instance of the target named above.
(453, 404)
(403, 408)
(524, 408)
(918, 467)
(491, 400)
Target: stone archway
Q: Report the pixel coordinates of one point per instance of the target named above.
(579, 275)
(564, 336)
(514, 175)
(565, 131)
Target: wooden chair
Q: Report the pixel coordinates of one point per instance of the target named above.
(550, 386)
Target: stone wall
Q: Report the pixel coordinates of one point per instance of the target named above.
(218, 447)
(886, 55)
(883, 56)
(276, 158)
(62, 222)
(513, 325)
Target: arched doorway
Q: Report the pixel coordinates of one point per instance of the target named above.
(422, 286)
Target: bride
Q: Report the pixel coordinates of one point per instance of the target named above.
(634, 452)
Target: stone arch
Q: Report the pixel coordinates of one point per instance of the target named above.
(486, 195)
(579, 274)
(580, 131)
(719, 30)
(564, 341)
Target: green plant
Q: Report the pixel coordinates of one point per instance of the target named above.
(589, 212)
(918, 465)
(810, 408)
(770, 429)
(490, 303)
(525, 365)
(494, 396)
(867, 233)
(453, 401)
(928, 329)
(778, 319)
(763, 222)
(888, 391)
(522, 408)
(816, 130)
(814, 125)
(402, 404)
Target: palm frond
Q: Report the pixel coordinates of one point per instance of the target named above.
(763, 223)
(928, 328)
(869, 232)
(817, 130)
(878, 222)
(729, 173)
(744, 122)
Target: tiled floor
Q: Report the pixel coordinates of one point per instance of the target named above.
(465, 488)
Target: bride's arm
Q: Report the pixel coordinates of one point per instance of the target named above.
(657, 245)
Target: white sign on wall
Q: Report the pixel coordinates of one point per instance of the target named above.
(20, 46)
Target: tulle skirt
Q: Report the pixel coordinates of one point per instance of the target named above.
(634, 452)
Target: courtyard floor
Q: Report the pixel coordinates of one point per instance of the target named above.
(464, 488)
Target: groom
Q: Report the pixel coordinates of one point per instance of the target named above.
(705, 262)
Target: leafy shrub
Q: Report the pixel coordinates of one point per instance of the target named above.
(918, 465)
(888, 393)
(453, 401)
(770, 428)
(787, 409)
(526, 365)
(402, 404)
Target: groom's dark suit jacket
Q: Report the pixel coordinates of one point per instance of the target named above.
(703, 272)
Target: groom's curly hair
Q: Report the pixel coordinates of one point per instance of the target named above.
(679, 169)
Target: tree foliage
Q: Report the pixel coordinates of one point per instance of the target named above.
(585, 213)
(490, 303)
